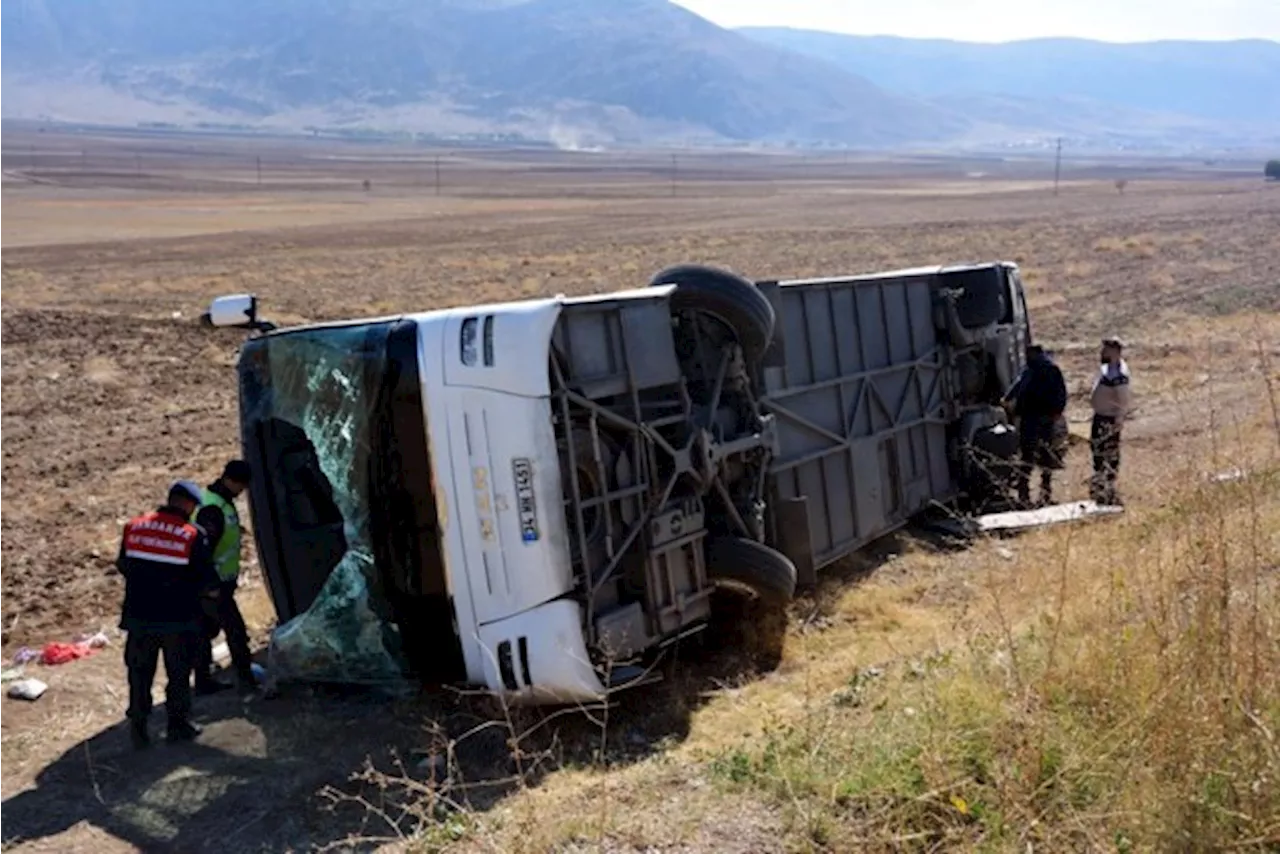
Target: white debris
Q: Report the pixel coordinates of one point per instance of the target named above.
(94, 641)
(27, 689)
(1044, 517)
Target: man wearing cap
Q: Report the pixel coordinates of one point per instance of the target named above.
(167, 568)
(1110, 399)
(218, 516)
(1038, 399)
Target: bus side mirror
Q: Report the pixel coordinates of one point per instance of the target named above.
(238, 311)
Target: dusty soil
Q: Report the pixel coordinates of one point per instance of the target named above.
(110, 389)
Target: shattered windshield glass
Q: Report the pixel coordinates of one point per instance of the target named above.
(310, 403)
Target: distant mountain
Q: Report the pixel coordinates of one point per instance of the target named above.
(581, 69)
(591, 72)
(1237, 81)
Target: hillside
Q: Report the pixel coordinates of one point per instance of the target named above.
(607, 69)
(1225, 82)
(591, 72)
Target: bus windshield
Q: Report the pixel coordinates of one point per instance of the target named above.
(343, 508)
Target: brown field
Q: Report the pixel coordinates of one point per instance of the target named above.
(113, 245)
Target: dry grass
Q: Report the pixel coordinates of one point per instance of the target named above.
(1137, 713)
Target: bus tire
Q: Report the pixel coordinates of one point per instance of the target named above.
(753, 569)
(727, 297)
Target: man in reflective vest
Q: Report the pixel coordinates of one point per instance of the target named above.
(167, 568)
(218, 516)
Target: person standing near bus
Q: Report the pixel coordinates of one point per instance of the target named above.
(1038, 399)
(1111, 400)
(165, 561)
(218, 516)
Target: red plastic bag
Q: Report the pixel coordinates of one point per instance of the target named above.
(61, 653)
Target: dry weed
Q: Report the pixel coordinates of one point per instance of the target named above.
(1137, 710)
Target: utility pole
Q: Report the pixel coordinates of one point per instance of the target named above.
(259, 160)
(675, 167)
(1057, 166)
(437, 175)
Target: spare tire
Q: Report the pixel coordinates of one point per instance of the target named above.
(727, 297)
(751, 568)
(991, 462)
(981, 301)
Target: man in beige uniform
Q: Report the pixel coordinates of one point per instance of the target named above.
(1111, 402)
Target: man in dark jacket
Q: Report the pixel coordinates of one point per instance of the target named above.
(217, 515)
(167, 568)
(1038, 399)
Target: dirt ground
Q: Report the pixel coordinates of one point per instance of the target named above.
(114, 245)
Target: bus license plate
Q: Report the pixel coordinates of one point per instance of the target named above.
(526, 506)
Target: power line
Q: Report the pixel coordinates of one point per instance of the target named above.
(1057, 166)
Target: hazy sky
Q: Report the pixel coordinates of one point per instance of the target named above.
(1003, 20)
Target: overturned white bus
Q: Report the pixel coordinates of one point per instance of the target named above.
(537, 496)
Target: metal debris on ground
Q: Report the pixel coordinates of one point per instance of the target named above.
(1019, 520)
(1045, 516)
